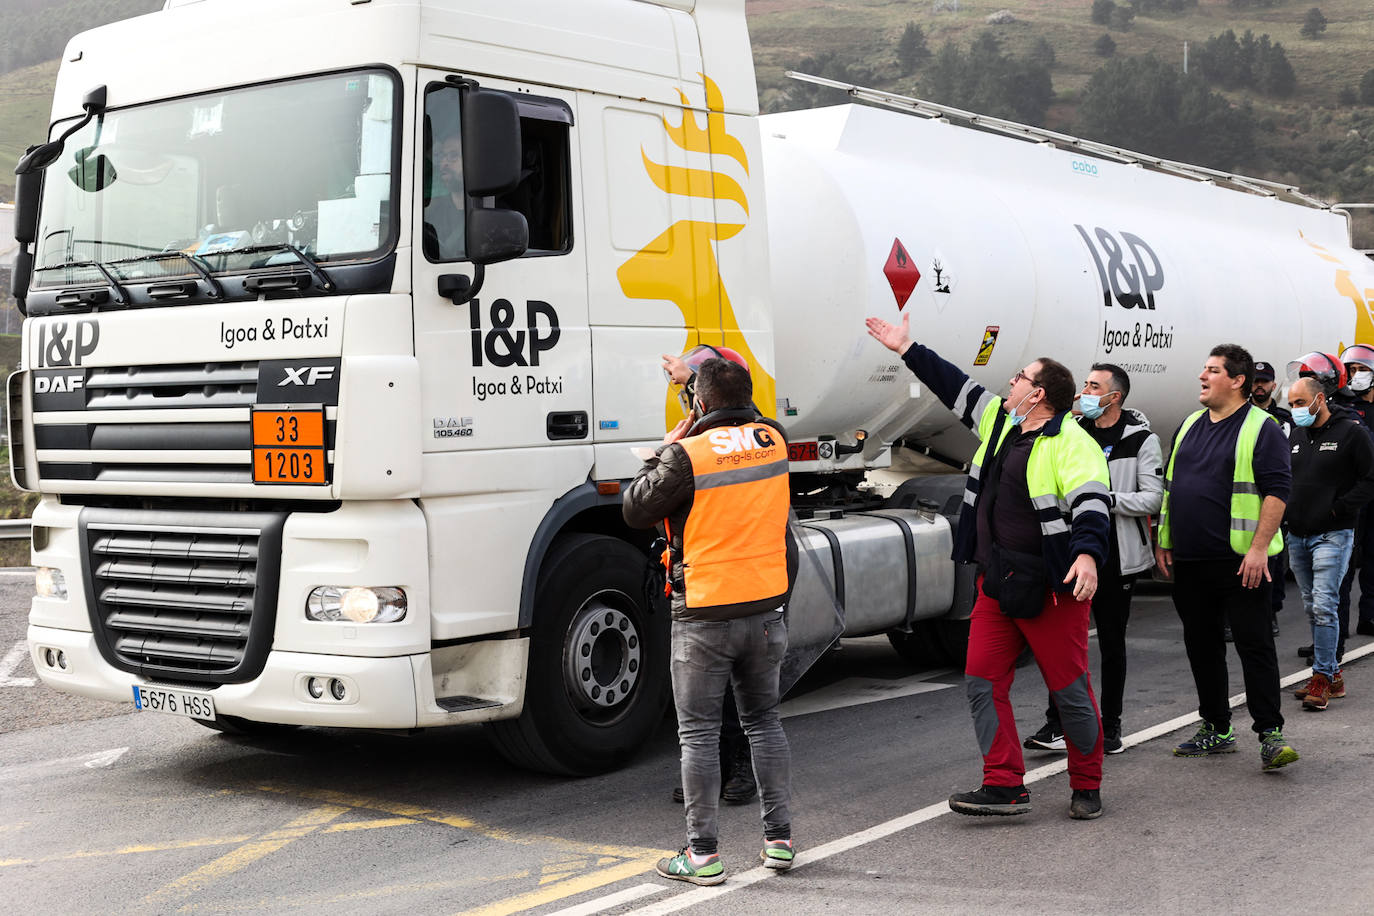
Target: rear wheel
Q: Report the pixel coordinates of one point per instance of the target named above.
(597, 682)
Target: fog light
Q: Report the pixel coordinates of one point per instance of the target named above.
(62, 659)
(336, 688)
(315, 686)
(49, 583)
(49, 659)
(356, 604)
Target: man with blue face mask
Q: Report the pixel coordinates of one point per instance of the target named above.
(1333, 478)
(1035, 518)
(1135, 465)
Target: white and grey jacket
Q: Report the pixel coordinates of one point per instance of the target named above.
(1136, 467)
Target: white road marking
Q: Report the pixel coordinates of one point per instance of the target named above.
(11, 661)
(600, 904)
(94, 761)
(806, 856)
(21, 573)
(855, 691)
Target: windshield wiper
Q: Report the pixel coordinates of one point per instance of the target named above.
(92, 297)
(197, 264)
(315, 272)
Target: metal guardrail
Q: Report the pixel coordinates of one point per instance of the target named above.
(14, 529)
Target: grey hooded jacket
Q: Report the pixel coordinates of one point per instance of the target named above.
(1136, 467)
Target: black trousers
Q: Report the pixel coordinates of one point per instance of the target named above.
(1111, 612)
(1208, 595)
(1362, 557)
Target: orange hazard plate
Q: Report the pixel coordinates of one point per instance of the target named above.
(289, 446)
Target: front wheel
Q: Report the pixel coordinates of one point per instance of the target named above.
(597, 683)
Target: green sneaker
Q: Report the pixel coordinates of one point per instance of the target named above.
(1274, 750)
(1208, 741)
(777, 854)
(680, 868)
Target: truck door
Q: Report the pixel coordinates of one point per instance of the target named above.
(508, 368)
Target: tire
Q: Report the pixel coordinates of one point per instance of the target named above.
(597, 683)
(247, 728)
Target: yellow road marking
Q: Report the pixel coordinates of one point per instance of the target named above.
(564, 889)
(371, 825)
(453, 820)
(128, 850)
(246, 854)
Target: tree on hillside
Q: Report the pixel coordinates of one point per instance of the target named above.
(1246, 63)
(1367, 88)
(988, 81)
(1102, 11)
(1273, 73)
(1146, 7)
(1143, 103)
(911, 48)
(1122, 18)
(1041, 53)
(1313, 24)
(1104, 46)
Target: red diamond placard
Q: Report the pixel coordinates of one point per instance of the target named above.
(901, 273)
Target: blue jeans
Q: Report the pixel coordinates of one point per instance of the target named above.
(1319, 562)
(747, 653)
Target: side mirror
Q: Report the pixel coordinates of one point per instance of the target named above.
(40, 157)
(20, 273)
(27, 186)
(496, 235)
(491, 143)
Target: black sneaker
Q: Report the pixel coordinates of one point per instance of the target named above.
(1226, 632)
(1304, 651)
(1049, 738)
(1275, 751)
(991, 800)
(1086, 804)
(1111, 741)
(1274, 627)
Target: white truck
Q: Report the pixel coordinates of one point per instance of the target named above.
(344, 316)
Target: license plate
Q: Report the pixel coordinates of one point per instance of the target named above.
(173, 700)
(289, 446)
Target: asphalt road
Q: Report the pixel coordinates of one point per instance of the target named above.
(106, 810)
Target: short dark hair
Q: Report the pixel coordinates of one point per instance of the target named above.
(1120, 380)
(1238, 362)
(1057, 381)
(722, 385)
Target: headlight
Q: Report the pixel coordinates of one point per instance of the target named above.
(356, 604)
(49, 583)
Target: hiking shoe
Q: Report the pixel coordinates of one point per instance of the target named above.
(1208, 741)
(681, 868)
(1338, 686)
(739, 787)
(1111, 741)
(1086, 804)
(1305, 651)
(1318, 692)
(1226, 632)
(1049, 738)
(991, 800)
(1274, 750)
(777, 854)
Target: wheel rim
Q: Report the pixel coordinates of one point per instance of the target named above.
(602, 655)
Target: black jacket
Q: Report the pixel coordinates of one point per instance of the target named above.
(665, 488)
(1333, 475)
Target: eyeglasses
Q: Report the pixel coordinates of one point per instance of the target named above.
(1020, 374)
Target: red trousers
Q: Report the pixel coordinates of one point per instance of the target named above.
(1058, 637)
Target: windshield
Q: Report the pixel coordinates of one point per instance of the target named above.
(306, 163)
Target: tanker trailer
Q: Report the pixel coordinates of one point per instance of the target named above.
(1001, 251)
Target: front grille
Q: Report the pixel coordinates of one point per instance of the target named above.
(180, 423)
(175, 597)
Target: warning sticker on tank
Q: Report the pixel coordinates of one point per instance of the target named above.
(902, 275)
(989, 342)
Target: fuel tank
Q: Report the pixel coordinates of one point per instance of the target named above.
(1000, 251)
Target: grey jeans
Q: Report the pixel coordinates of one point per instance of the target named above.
(707, 655)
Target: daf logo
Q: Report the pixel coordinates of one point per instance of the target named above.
(54, 384)
(306, 375)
